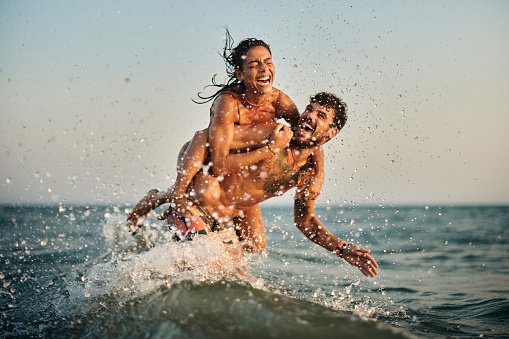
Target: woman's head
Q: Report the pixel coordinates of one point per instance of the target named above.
(238, 59)
(235, 57)
(257, 72)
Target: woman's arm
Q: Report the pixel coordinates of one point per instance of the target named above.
(287, 110)
(221, 134)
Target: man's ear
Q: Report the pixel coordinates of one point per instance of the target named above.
(331, 133)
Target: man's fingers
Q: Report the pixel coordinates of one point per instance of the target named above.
(374, 262)
(369, 271)
(364, 262)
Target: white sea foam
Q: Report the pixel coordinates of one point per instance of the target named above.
(141, 264)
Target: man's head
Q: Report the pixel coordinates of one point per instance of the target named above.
(322, 119)
(331, 101)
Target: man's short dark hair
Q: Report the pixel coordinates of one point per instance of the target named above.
(331, 101)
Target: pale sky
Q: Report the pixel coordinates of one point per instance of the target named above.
(95, 96)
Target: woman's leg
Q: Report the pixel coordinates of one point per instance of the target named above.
(191, 157)
(190, 160)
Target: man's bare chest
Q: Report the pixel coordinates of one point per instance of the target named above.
(283, 173)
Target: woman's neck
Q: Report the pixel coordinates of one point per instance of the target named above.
(255, 98)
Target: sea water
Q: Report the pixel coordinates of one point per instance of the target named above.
(75, 271)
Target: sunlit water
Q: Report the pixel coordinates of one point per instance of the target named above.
(74, 271)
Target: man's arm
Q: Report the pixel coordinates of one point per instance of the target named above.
(307, 222)
(313, 188)
(221, 131)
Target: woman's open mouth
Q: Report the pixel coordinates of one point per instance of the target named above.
(264, 81)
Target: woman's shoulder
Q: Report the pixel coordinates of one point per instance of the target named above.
(226, 104)
(228, 96)
(285, 106)
(281, 96)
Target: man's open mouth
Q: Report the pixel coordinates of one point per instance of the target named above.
(306, 127)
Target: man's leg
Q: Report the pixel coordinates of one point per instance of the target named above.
(250, 230)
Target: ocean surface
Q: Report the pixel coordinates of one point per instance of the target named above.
(75, 271)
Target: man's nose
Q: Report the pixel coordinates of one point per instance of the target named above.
(312, 114)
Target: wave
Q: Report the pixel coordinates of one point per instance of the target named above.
(195, 290)
(221, 309)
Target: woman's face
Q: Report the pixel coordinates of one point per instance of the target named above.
(257, 70)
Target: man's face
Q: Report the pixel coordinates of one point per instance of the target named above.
(314, 127)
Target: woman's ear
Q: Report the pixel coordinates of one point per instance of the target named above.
(239, 75)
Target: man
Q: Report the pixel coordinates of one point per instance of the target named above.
(233, 200)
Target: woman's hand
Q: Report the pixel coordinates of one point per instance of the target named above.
(280, 138)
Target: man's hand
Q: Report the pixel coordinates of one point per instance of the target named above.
(359, 257)
(280, 138)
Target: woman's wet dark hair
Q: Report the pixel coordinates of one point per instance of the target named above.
(233, 58)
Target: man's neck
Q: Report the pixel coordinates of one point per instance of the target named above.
(301, 153)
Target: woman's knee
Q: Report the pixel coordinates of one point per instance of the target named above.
(208, 191)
